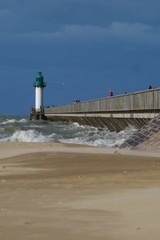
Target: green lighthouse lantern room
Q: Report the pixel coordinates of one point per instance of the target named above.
(39, 80)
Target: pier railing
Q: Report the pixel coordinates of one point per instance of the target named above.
(116, 112)
(143, 101)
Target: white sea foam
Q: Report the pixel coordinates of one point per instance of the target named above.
(1, 129)
(96, 137)
(28, 136)
(23, 120)
(8, 121)
(22, 130)
(77, 125)
(11, 121)
(96, 142)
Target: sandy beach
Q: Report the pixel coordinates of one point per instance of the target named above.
(64, 192)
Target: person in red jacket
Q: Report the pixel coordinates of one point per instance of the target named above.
(110, 93)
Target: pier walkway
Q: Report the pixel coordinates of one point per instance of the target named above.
(116, 112)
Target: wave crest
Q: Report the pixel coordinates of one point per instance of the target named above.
(28, 136)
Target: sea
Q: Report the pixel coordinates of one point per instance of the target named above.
(21, 129)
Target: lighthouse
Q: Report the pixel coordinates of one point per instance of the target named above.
(39, 85)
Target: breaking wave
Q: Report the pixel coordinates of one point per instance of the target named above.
(22, 130)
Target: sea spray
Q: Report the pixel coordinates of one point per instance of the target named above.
(21, 129)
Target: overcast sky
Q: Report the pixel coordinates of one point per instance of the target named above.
(84, 48)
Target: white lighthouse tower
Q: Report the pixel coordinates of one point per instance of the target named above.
(39, 86)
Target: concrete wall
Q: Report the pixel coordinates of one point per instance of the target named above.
(139, 101)
(116, 112)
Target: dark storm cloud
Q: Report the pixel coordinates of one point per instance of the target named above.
(57, 21)
(120, 32)
(38, 14)
(98, 43)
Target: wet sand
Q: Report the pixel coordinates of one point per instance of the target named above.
(64, 192)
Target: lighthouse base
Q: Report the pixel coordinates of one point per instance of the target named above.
(37, 115)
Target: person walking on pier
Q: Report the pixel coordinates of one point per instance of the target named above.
(110, 93)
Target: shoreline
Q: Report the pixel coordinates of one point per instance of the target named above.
(10, 149)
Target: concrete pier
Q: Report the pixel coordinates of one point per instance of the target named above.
(115, 112)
